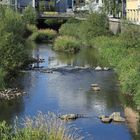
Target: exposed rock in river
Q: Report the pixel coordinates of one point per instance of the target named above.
(116, 117)
(105, 119)
(98, 68)
(70, 117)
(95, 87)
(10, 94)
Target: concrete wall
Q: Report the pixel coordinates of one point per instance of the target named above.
(114, 25)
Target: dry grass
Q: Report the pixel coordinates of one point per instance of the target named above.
(40, 127)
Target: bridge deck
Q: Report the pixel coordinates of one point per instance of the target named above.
(59, 16)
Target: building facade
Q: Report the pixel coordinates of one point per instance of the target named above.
(133, 10)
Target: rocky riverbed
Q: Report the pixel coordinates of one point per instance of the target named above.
(9, 94)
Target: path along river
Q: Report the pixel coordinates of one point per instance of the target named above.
(69, 91)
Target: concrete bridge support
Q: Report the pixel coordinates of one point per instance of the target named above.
(115, 25)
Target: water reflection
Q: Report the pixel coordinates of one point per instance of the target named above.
(86, 57)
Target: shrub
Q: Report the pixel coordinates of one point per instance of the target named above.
(67, 44)
(29, 15)
(13, 49)
(43, 35)
(41, 127)
(95, 25)
(31, 28)
(70, 29)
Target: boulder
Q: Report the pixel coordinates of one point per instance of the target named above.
(116, 117)
(98, 68)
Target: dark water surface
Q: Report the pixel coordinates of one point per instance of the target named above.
(70, 92)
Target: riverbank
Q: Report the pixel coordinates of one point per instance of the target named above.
(118, 51)
(47, 127)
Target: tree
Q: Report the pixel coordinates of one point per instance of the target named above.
(13, 50)
(112, 7)
(29, 15)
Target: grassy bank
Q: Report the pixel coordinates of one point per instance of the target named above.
(67, 44)
(43, 35)
(41, 127)
(122, 52)
(118, 51)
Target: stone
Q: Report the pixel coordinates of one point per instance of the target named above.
(105, 119)
(10, 94)
(98, 68)
(106, 68)
(116, 117)
(69, 117)
(96, 88)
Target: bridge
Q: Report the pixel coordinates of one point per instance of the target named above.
(59, 16)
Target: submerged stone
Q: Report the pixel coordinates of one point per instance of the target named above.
(69, 117)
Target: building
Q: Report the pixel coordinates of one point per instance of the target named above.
(91, 5)
(133, 10)
(56, 5)
(19, 4)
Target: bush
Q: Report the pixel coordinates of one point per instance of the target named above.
(70, 29)
(41, 127)
(67, 44)
(31, 28)
(29, 15)
(13, 49)
(43, 35)
(95, 25)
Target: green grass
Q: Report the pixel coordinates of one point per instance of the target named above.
(67, 44)
(125, 60)
(41, 127)
(31, 28)
(43, 35)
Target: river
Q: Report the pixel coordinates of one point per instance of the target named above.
(69, 91)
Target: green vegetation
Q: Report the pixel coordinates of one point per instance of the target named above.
(120, 52)
(29, 15)
(13, 49)
(67, 44)
(41, 127)
(124, 57)
(43, 35)
(2, 75)
(112, 7)
(95, 25)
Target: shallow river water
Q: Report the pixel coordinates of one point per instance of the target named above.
(69, 91)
